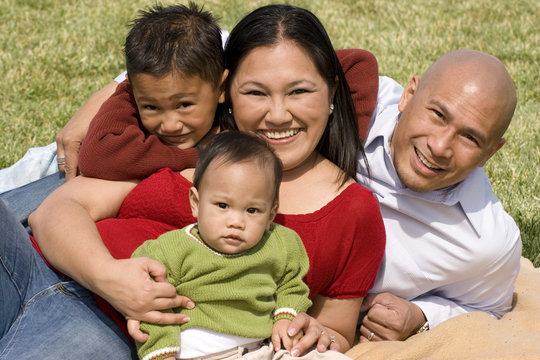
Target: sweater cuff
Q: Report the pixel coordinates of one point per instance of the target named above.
(284, 313)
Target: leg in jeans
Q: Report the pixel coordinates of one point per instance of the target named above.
(25, 199)
(45, 315)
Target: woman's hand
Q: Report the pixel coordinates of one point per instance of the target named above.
(138, 288)
(314, 333)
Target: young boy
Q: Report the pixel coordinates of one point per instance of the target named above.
(174, 61)
(243, 272)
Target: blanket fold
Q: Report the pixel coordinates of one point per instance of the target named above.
(475, 335)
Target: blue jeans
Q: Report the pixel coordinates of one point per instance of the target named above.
(44, 315)
(22, 201)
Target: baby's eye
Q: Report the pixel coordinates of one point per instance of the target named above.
(222, 205)
(252, 210)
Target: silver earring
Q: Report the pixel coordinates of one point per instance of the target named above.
(331, 107)
(230, 111)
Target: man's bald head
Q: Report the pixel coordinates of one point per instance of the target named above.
(477, 71)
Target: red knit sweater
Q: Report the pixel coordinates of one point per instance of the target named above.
(117, 147)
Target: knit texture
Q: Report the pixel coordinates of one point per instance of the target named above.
(234, 295)
(362, 74)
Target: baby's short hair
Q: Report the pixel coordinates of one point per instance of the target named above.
(236, 146)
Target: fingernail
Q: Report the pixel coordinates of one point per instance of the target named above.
(291, 331)
(295, 352)
(186, 319)
(190, 305)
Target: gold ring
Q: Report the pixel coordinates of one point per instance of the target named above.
(61, 161)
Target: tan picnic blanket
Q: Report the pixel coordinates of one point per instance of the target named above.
(475, 335)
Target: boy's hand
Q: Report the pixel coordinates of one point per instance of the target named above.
(281, 337)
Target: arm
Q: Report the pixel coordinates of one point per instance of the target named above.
(362, 74)
(66, 233)
(115, 137)
(69, 139)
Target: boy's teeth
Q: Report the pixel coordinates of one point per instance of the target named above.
(281, 134)
(425, 162)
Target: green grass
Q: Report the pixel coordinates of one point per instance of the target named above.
(55, 53)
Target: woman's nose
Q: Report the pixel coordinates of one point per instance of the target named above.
(278, 112)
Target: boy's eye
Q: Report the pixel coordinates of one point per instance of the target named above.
(252, 210)
(184, 105)
(222, 205)
(149, 107)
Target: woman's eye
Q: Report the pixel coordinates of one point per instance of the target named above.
(252, 210)
(298, 91)
(255, 93)
(438, 114)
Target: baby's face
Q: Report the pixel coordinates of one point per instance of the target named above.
(178, 110)
(234, 205)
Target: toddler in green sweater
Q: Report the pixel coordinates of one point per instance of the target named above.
(243, 272)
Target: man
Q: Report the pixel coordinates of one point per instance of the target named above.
(451, 248)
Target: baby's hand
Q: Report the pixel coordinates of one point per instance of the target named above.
(134, 330)
(280, 336)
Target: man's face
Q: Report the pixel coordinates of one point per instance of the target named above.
(447, 128)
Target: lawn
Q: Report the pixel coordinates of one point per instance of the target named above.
(54, 54)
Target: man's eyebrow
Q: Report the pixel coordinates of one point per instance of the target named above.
(475, 133)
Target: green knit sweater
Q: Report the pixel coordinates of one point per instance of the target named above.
(233, 294)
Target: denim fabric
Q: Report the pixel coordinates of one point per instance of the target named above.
(25, 199)
(45, 315)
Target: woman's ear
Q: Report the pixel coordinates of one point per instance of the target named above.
(221, 99)
(408, 93)
(194, 201)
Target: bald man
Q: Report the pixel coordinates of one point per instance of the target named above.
(451, 248)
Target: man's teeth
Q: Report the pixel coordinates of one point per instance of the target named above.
(281, 134)
(425, 162)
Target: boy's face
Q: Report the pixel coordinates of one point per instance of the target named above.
(178, 110)
(234, 205)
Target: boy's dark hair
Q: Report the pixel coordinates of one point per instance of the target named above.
(268, 26)
(237, 146)
(175, 38)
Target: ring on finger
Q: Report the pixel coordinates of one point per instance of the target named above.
(332, 338)
(370, 336)
(61, 160)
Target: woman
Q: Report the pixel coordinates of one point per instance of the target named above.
(298, 100)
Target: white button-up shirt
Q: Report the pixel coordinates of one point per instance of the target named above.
(449, 251)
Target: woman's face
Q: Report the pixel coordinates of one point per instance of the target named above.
(278, 93)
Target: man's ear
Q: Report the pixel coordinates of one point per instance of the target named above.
(194, 201)
(408, 93)
(496, 148)
(221, 98)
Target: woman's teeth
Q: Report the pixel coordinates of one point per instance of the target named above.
(281, 134)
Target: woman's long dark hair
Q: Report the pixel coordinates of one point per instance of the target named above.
(268, 26)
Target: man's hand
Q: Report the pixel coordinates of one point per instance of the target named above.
(69, 139)
(139, 290)
(389, 318)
